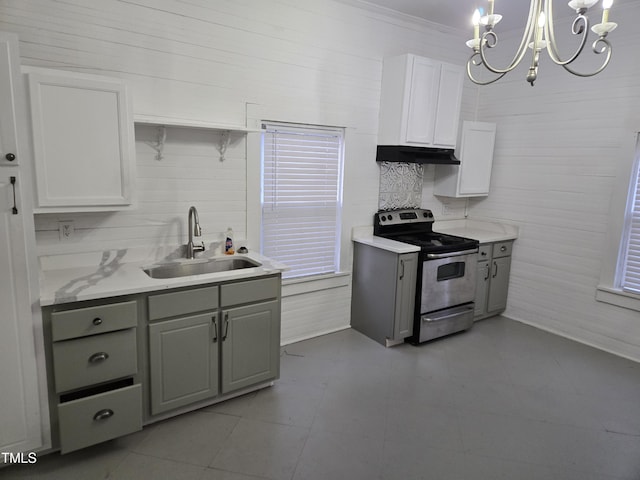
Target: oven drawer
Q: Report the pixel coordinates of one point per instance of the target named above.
(100, 417)
(445, 322)
(90, 360)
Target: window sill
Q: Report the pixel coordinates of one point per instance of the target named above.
(615, 296)
(298, 286)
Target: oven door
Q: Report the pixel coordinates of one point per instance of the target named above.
(448, 279)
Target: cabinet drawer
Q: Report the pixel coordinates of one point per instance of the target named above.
(95, 359)
(101, 417)
(484, 252)
(183, 302)
(502, 249)
(251, 291)
(92, 320)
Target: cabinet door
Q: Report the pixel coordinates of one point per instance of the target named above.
(405, 295)
(20, 412)
(8, 74)
(183, 358)
(482, 286)
(423, 101)
(83, 141)
(501, 268)
(250, 345)
(448, 106)
(476, 157)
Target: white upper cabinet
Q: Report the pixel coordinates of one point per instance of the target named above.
(83, 141)
(420, 102)
(472, 177)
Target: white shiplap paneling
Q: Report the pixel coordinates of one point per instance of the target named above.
(317, 61)
(558, 149)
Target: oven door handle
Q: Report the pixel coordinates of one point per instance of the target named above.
(451, 254)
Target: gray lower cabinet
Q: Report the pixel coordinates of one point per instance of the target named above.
(195, 355)
(92, 362)
(250, 345)
(492, 284)
(383, 293)
(114, 364)
(183, 355)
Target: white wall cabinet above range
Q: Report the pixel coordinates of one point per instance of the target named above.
(420, 102)
(83, 140)
(473, 176)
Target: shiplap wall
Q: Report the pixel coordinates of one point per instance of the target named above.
(559, 146)
(315, 61)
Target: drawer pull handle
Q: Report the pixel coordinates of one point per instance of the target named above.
(215, 329)
(97, 321)
(103, 415)
(98, 357)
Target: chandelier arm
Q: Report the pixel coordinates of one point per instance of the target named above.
(606, 48)
(534, 11)
(580, 26)
(473, 79)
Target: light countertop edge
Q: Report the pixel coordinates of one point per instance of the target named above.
(483, 231)
(113, 277)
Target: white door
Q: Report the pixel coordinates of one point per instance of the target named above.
(20, 412)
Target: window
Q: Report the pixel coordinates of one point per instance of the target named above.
(302, 197)
(629, 271)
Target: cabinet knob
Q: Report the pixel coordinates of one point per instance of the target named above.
(10, 156)
(97, 321)
(503, 248)
(98, 357)
(103, 414)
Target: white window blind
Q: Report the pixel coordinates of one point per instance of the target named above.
(301, 197)
(630, 278)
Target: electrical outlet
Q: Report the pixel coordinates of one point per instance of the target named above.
(446, 209)
(66, 230)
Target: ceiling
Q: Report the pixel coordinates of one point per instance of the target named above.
(457, 13)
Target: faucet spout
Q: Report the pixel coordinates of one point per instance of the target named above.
(194, 230)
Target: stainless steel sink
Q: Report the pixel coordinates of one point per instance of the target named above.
(183, 269)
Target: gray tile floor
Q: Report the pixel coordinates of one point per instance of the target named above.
(501, 401)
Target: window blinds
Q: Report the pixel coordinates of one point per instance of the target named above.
(631, 272)
(301, 197)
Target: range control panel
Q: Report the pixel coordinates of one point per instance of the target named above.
(403, 217)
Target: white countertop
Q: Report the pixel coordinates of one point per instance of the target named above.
(94, 275)
(483, 231)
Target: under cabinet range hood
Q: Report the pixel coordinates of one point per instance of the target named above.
(406, 154)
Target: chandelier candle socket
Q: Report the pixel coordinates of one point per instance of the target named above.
(539, 34)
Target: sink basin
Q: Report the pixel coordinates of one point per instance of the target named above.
(172, 270)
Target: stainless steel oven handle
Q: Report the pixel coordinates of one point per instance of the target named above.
(444, 317)
(451, 254)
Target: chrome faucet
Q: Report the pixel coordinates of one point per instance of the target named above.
(194, 231)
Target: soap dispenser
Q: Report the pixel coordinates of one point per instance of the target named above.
(228, 244)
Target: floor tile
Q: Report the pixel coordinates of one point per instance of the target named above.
(193, 438)
(339, 456)
(136, 467)
(263, 449)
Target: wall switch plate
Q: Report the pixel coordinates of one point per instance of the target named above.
(66, 230)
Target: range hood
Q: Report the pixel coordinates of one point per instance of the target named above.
(405, 154)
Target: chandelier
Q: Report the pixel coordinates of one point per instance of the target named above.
(539, 35)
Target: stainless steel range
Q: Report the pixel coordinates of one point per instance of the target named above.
(446, 279)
